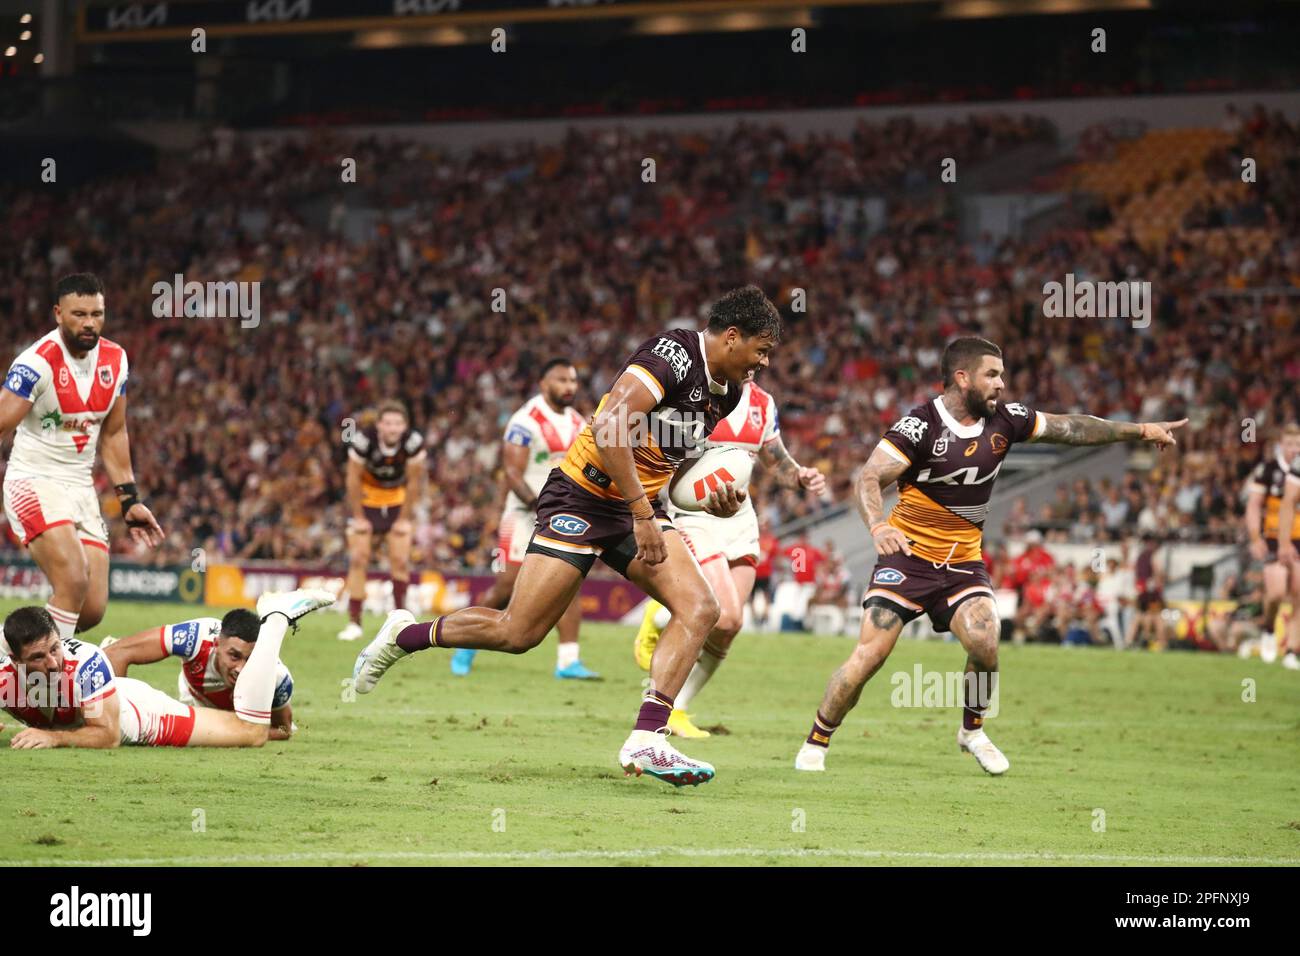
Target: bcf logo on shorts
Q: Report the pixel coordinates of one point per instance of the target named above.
(569, 525)
(889, 576)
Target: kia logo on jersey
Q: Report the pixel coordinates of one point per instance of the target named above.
(569, 525)
(889, 576)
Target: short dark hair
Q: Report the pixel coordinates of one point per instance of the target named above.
(554, 363)
(28, 624)
(79, 283)
(241, 623)
(965, 353)
(747, 309)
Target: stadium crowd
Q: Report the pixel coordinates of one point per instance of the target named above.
(237, 431)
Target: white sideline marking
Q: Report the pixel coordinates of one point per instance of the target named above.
(545, 856)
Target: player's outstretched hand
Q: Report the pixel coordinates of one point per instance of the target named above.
(810, 479)
(725, 501)
(1161, 434)
(650, 546)
(889, 540)
(143, 526)
(30, 738)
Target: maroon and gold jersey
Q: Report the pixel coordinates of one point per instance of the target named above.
(1269, 479)
(943, 496)
(383, 482)
(689, 405)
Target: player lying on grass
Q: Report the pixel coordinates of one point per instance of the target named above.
(601, 503)
(213, 654)
(65, 691)
(727, 548)
(945, 456)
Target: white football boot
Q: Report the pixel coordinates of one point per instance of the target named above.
(1291, 662)
(294, 604)
(352, 632)
(977, 744)
(648, 751)
(810, 757)
(381, 653)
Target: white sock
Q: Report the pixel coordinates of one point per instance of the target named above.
(662, 617)
(65, 621)
(566, 653)
(255, 688)
(709, 662)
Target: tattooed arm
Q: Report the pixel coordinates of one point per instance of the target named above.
(1091, 430)
(881, 470)
(789, 472)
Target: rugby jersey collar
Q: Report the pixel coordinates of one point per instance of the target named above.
(958, 429)
(714, 387)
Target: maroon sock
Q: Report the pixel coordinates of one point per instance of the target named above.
(399, 592)
(655, 710)
(821, 731)
(978, 688)
(421, 636)
(354, 610)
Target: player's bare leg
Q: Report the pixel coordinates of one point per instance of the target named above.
(496, 597)
(1276, 581)
(568, 660)
(1291, 660)
(96, 602)
(976, 625)
(545, 587)
(732, 585)
(880, 629)
(361, 542)
(59, 554)
(399, 559)
(679, 585)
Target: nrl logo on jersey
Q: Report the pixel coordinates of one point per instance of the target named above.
(941, 445)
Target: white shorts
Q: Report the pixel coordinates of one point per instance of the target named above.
(513, 534)
(150, 718)
(34, 505)
(709, 537)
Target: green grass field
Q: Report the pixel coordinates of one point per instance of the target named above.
(511, 766)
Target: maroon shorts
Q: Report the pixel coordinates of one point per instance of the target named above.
(576, 526)
(911, 586)
(382, 519)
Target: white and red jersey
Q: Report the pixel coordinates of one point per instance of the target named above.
(751, 424)
(58, 701)
(201, 684)
(70, 399)
(547, 435)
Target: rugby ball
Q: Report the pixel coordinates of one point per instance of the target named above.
(698, 478)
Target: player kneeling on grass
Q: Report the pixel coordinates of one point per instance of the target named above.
(65, 691)
(213, 654)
